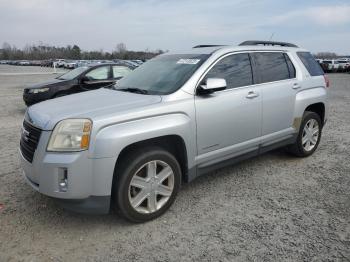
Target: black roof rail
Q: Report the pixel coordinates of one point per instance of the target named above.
(202, 46)
(273, 43)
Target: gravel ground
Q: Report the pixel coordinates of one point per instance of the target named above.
(271, 208)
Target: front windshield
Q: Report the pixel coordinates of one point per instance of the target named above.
(73, 74)
(162, 75)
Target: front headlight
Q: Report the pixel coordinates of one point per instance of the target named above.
(70, 135)
(38, 90)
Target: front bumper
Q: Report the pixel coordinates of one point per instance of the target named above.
(89, 180)
(91, 205)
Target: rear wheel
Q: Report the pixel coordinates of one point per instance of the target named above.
(309, 135)
(147, 184)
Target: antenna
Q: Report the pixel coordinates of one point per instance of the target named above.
(271, 36)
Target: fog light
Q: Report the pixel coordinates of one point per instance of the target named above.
(63, 180)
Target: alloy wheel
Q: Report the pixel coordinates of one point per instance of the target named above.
(151, 186)
(310, 135)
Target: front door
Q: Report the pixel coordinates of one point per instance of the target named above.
(229, 121)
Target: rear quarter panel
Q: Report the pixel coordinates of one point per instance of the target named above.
(313, 91)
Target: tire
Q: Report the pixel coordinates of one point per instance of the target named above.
(300, 148)
(134, 202)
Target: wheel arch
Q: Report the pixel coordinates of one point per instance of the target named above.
(172, 143)
(175, 144)
(314, 100)
(318, 108)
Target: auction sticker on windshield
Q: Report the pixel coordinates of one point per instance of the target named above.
(188, 61)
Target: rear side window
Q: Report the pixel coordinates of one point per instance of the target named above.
(235, 69)
(272, 66)
(310, 63)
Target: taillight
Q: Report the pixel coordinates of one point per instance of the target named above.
(326, 79)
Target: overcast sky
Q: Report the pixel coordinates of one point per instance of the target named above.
(317, 25)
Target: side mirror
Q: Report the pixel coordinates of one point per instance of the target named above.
(212, 85)
(85, 80)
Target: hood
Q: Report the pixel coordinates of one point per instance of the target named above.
(91, 104)
(52, 82)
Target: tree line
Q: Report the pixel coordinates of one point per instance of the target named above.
(46, 52)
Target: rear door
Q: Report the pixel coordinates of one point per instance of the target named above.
(278, 83)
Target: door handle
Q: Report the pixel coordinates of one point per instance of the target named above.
(252, 94)
(296, 86)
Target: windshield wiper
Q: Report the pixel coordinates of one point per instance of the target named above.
(133, 90)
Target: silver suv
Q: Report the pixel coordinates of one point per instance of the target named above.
(172, 119)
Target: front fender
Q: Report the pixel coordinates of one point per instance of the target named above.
(111, 140)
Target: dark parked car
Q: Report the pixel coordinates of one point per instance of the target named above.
(78, 80)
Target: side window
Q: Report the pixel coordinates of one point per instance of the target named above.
(272, 66)
(310, 63)
(120, 71)
(291, 67)
(100, 73)
(235, 69)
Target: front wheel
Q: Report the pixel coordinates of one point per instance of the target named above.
(309, 135)
(147, 184)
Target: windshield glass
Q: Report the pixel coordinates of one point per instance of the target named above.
(73, 74)
(162, 75)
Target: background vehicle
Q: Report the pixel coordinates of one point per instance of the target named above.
(24, 63)
(172, 119)
(139, 62)
(70, 64)
(47, 63)
(344, 64)
(323, 66)
(59, 62)
(81, 79)
(330, 65)
(127, 62)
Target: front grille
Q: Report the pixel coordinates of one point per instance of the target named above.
(30, 136)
